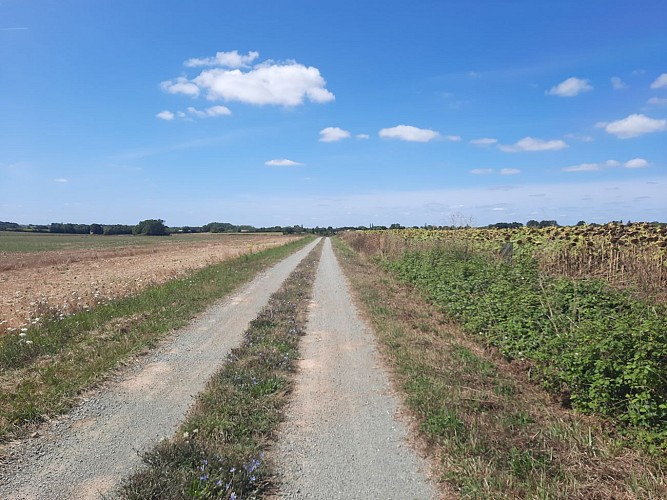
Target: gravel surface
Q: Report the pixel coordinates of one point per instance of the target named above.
(88, 452)
(342, 438)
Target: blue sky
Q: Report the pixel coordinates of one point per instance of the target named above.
(347, 113)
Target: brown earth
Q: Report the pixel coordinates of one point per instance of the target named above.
(61, 282)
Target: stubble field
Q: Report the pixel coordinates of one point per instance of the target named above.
(59, 274)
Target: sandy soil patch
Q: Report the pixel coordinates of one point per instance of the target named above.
(66, 281)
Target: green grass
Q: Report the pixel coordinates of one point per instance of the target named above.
(490, 431)
(42, 372)
(219, 450)
(24, 242)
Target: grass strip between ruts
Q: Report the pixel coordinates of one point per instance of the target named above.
(218, 451)
(43, 371)
(490, 433)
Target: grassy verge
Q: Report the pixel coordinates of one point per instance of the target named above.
(43, 369)
(218, 452)
(595, 348)
(490, 431)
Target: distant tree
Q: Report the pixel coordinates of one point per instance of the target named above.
(548, 223)
(151, 227)
(396, 226)
(532, 223)
(96, 229)
(581, 223)
(118, 229)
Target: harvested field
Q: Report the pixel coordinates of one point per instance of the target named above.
(63, 281)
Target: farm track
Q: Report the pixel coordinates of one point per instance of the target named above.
(86, 453)
(32, 284)
(344, 437)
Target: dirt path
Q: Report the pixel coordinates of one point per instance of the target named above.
(87, 453)
(342, 438)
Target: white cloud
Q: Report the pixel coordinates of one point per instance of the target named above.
(165, 115)
(636, 163)
(583, 167)
(453, 138)
(180, 85)
(210, 112)
(596, 167)
(333, 134)
(281, 84)
(633, 126)
(617, 83)
(61, 180)
(531, 144)
(227, 59)
(509, 171)
(660, 82)
(282, 163)
(571, 87)
(481, 171)
(286, 84)
(658, 101)
(363, 136)
(408, 133)
(484, 142)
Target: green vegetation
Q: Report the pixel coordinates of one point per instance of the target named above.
(491, 431)
(218, 452)
(596, 348)
(151, 227)
(44, 367)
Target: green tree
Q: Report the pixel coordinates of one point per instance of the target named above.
(151, 227)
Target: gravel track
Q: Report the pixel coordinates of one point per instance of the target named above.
(342, 438)
(86, 453)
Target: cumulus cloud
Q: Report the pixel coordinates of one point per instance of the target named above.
(268, 83)
(210, 112)
(633, 126)
(165, 115)
(481, 171)
(617, 83)
(61, 180)
(282, 163)
(180, 85)
(583, 167)
(509, 171)
(571, 87)
(596, 167)
(363, 136)
(484, 142)
(453, 138)
(660, 82)
(532, 144)
(408, 133)
(226, 59)
(333, 134)
(636, 163)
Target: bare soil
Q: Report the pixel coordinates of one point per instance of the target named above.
(62, 282)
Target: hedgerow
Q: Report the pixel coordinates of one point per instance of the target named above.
(599, 349)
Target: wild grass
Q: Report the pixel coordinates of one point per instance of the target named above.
(490, 431)
(219, 450)
(46, 365)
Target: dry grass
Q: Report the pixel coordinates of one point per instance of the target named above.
(492, 433)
